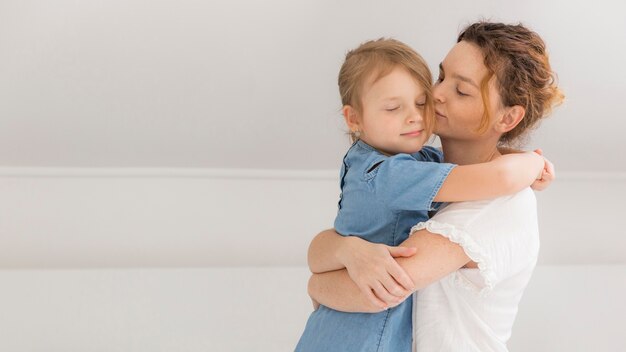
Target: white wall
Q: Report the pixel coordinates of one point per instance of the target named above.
(77, 218)
(252, 84)
(214, 260)
(565, 308)
(205, 134)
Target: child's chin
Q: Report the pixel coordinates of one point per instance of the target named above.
(412, 150)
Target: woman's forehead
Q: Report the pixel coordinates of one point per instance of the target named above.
(466, 60)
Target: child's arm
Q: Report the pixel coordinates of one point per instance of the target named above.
(547, 176)
(507, 174)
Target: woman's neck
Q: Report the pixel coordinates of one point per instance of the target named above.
(469, 152)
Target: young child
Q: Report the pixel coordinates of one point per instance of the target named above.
(390, 181)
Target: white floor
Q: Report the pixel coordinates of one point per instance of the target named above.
(566, 308)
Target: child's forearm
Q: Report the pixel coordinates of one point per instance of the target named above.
(324, 251)
(336, 290)
(520, 170)
(505, 175)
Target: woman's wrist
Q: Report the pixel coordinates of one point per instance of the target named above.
(345, 249)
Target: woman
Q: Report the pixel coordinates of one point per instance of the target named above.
(474, 259)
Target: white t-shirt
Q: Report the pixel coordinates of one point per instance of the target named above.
(474, 309)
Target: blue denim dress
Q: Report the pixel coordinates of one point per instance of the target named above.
(382, 197)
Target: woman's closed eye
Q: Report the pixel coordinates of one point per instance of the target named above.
(394, 108)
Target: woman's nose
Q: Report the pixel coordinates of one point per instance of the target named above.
(437, 96)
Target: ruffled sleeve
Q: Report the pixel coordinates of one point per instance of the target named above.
(500, 235)
(473, 250)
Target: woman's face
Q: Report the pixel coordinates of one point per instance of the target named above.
(458, 100)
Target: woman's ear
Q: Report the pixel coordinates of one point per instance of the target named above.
(351, 117)
(512, 117)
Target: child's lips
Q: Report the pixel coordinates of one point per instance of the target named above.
(440, 114)
(413, 133)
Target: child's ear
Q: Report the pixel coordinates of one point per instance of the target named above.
(512, 117)
(351, 117)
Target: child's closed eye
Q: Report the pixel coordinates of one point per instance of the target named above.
(461, 93)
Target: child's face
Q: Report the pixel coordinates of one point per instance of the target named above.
(392, 114)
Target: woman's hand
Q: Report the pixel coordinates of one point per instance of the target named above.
(547, 175)
(375, 271)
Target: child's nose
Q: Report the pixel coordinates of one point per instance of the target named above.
(414, 116)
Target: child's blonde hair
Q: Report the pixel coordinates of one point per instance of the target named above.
(380, 57)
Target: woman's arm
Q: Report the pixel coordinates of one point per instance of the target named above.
(336, 290)
(505, 175)
(325, 251)
(370, 265)
(436, 257)
(330, 251)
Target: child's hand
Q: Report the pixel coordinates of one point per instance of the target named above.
(377, 274)
(547, 175)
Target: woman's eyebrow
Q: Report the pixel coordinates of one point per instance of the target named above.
(460, 77)
(464, 79)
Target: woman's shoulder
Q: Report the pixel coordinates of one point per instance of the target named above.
(501, 234)
(506, 211)
(520, 204)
